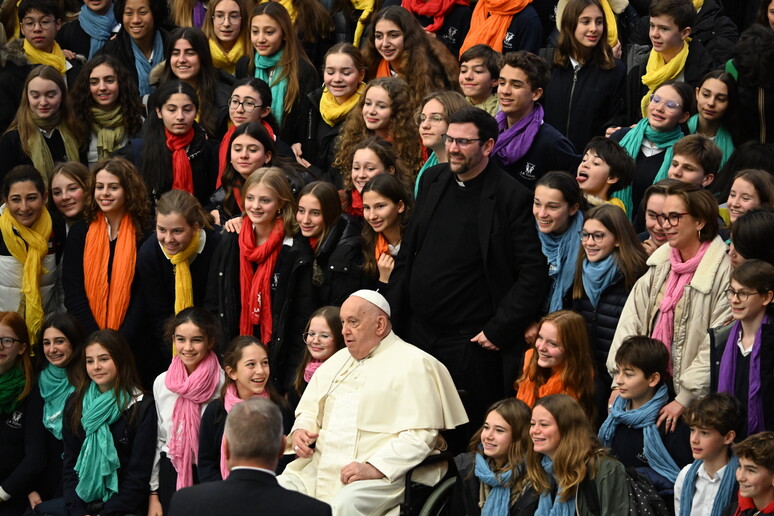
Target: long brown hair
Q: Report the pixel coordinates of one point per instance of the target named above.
(330, 204)
(601, 55)
(135, 193)
(231, 360)
(331, 316)
(17, 325)
(208, 27)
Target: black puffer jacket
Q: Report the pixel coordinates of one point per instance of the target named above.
(338, 261)
(319, 140)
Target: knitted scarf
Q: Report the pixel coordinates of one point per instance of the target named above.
(632, 142)
(657, 72)
(256, 285)
(490, 22)
(143, 65)
(332, 112)
(645, 418)
(367, 7)
(98, 463)
(182, 175)
(109, 301)
(55, 388)
(267, 70)
(29, 245)
(55, 58)
(747, 503)
(727, 375)
(529, 392)
(552, 506)
(597, 276)
(40, 154)
(226, 61)
(499, 499)
(229, 400)
(225, 145)
(12, 384)
(722, 139)
(311, 368)
(679, 278)
(561, 251)
(99, 27)
(193, 391)
(726, 490)
(109, 128)
(514, 142)
(181, 264)
(437, 9)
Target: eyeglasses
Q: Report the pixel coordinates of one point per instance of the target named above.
(741, 295)
(8, 342)
(310, 335)
(669, 104)
(462, 143)
(29, 24)
(421, 118)
(221, 17)
(247, 104)
(673, 218)
(597, 237)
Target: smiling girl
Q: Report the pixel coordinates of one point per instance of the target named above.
(323, 338)
(67, 186)
(228, 33)
(750, 189)
(717, 105)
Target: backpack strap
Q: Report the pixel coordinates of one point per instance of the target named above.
(589, 490)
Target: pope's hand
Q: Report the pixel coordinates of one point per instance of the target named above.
(355, 471)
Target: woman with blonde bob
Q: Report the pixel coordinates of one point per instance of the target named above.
(564, 454)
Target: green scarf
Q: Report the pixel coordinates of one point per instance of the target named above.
(98, 464)
(55, 388)
(722, 139)
(40, 154)
(110, 130)
(11, 386)
(266, 67)
(632, 142)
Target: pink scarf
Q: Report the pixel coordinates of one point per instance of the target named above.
(311, 367)
(192, 391)
(229, 400)
(680, 276)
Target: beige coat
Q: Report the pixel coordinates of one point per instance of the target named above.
(702, 306)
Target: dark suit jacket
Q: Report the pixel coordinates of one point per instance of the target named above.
(247, 492)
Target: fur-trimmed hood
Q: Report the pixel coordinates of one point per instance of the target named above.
(13, 53)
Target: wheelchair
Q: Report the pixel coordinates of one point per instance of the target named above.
(422, 500)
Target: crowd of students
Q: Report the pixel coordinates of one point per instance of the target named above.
(191, 190)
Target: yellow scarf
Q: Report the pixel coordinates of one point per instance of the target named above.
(16, 24)
(30, 247)
(226, 61)
(612, 24)
(288, 5)
(367, 6)
(183, 282)
(331, 111)
(698, 4)
(40, 154)
(55, 58)
(657, 72)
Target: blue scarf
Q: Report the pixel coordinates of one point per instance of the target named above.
(432, 161)
(143, 66)
(548, 505)
(597, 276)
(54, 388)
(645, 418)
(499, 498)
(722, 139)
(265, 66)
(632, 142)
(562, 254)
(726, 489)
(99, 27)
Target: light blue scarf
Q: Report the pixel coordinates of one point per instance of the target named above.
(99, 27)
(597, 276)
(265, 66)
(499, 498)
(722, 139)
(143, 66)
(55, 388)
(726, 490)
(645, 418)
(432, 161)
(548, 505)
(561, 251)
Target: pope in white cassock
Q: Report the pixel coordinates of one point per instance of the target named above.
(373, 411)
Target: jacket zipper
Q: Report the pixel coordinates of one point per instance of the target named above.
(572, 94)
(762, 114)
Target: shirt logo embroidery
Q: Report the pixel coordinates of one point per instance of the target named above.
(15, 420)
(451, 35)
(528, 172)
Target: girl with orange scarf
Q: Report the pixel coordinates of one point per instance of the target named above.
(560, 363)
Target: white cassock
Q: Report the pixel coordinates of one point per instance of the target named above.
(386, 409)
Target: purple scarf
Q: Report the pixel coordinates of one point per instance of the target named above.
(199, 12)
(727, 375)
(514, 142)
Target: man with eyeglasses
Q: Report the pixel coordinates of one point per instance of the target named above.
(470, 275)
(39, 22)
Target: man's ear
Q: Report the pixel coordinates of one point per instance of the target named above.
(708, 179)
(685, 33)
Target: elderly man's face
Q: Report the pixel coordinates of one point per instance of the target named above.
(363, 326)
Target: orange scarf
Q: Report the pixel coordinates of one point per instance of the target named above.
(490, 22)
(109, 301)
(256, 285)
(381, 246)
(529, 392)
(384, 69)
(182, 175)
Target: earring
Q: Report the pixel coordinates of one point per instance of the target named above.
(279, 212)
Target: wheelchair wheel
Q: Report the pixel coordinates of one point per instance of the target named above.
(438, 500)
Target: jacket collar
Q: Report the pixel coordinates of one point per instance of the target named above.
(704, 278)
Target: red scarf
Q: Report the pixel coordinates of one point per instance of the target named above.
(225, 143)
(747, 503)
(438, 9)
(256, 286)
(182, 175)
(355, 207)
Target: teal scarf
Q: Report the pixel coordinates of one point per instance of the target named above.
(632, 142)
(97, 464)
(432, 161)
(11, 386)
(561, 252)
(54, 387)
(722, 139)
(266, 67)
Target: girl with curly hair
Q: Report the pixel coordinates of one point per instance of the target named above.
(228, 33)
(108, 104)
